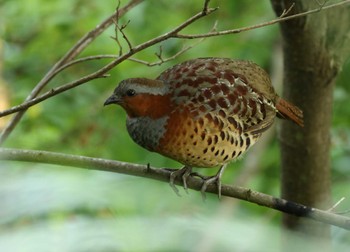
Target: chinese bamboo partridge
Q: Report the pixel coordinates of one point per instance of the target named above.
(203, 112)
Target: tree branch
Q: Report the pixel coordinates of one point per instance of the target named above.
(163, 175)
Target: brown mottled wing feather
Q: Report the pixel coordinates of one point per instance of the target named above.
(226, 89)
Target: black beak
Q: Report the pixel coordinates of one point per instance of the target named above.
(112, 100)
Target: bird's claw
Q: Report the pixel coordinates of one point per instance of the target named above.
(210, 180)
(184, 172)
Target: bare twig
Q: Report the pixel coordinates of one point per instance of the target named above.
(80, 60)
(287, 11)
(159, 54)
(161, 59)
(206, 6)
(71, 54)
(180, 52)
(252, 27)
(336, 205)
(116, 30)
(120, 29)
(163, 175)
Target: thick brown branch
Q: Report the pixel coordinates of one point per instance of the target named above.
(163, 175)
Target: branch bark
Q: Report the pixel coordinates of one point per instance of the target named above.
(194, 183)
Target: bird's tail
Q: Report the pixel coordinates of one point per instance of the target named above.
(289, 111)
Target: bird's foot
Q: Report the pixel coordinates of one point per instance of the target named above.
(184, 173)
(207, 182)
(210, 180)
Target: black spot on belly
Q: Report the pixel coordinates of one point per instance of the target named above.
(241, 141)
(222, 135)
(216, 139)
(247, 142)
(209, 141)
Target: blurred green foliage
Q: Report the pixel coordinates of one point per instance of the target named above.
(47, 206)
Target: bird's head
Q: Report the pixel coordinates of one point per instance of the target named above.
(141, 97)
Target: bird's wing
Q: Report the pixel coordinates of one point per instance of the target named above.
(223, 89)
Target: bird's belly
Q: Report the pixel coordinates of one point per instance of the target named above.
(201, 143)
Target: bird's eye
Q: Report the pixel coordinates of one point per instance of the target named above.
(130, 92)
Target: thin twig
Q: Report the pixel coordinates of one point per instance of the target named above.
(116, 37)
(120, 29)
(71, 54)
(287, 11)
(194, 183)
(336, 205)
(163, 60)
(206, 6)
(84, 59)
(252, 27)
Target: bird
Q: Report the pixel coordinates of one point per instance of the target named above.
(203, 113)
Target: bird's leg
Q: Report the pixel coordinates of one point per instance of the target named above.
(213, 179)
(184, 172)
